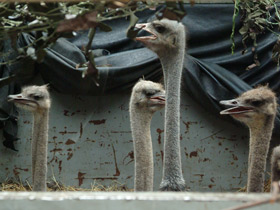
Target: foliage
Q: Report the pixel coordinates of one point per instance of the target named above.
(256, 17)
(49, 21)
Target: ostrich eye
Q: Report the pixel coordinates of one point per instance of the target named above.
(37, 97)
(149, 94)
(257, 103)
(159, 28)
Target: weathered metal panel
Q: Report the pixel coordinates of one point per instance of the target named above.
(90, 140)
(128, 201)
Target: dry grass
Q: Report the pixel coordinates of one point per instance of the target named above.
(12, 185)
(267, 185)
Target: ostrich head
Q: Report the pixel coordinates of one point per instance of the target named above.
(252, 106)
(32, 98)
(148, 96)
(165, 34)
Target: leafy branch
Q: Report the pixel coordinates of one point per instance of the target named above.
(256, 17)
(49, 21)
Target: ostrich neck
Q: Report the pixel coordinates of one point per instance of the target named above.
(172, 64)
(260, 135)
(39, 150)
(143, 151)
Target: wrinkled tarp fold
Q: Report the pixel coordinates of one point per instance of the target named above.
(211, 73)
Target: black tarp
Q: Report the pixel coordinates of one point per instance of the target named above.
(211, 73)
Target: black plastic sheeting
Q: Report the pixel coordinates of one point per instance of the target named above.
(211, 73)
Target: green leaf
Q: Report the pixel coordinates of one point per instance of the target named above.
(261, 21)
(130, 32)
(244, 30)
(104, 27)
(42, 7)
(255, 14)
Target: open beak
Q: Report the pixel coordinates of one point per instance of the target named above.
(144, 26)
(158, 100)
(18, 98)
(12, 98)
(236, 107)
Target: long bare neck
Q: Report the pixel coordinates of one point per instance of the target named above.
(260, 136)
(39, 150)
(172, 64)
(143, 150)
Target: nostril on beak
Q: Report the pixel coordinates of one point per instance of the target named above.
(140, 26)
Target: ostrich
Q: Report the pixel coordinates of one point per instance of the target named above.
(257, 109)
(275, 170)
(147, 97)
(168, 41)
(36, 99)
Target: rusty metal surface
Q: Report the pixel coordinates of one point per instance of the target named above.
(128, 201)
(90, 141)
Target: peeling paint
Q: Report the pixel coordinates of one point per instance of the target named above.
(159, 131)
(77, 146)
(187, 124)
(131, 156)
(65, 112)
(234, 157)
(81, 177)
(67, 132)
(224, 138)
(128, 177)
(201, 175)
(81, 130)
(193, 154)
(116, 165)
(104, 178)
(56, 150)
(69, 142)
(69, 155)
(90, 140)
(16, 172)
(59, 166)
(120, 131)
(97, 122)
